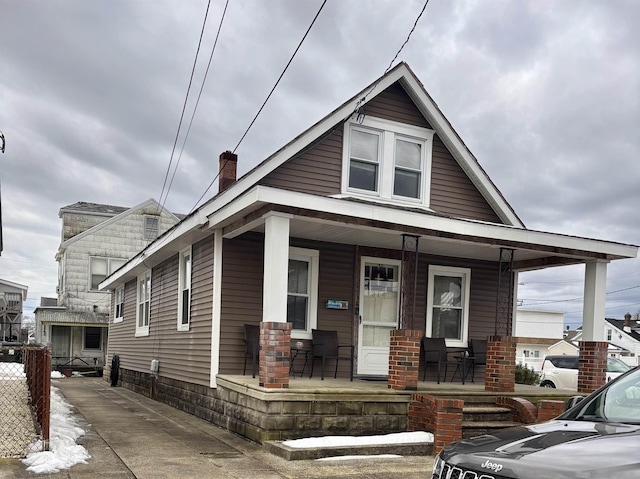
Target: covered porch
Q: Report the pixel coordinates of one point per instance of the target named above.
(446, 277)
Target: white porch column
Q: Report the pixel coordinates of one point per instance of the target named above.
(595, 284)
(276, 267)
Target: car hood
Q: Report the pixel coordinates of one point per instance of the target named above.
(555, 449)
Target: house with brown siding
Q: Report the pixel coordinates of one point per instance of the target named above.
(376, 219)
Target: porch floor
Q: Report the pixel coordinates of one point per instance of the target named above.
(303, 388)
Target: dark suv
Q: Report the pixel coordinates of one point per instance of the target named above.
(599, 437)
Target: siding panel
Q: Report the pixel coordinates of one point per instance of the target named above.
(452, 192)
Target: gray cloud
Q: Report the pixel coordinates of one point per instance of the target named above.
(545, 94)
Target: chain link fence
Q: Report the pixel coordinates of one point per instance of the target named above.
(25, 390)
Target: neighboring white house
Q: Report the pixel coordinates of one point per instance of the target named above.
(96, 240)
(537, 332)
(12, 297)
(624, 335)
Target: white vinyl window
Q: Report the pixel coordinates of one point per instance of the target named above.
(98, 272)
(448, 304)
(144, 304)
(302, 291)
(118, 314)
(100, 268)
(387, 160)
(151, 227)
(184, 290)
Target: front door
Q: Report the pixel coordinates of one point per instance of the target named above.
(61, 342)
(379, 306)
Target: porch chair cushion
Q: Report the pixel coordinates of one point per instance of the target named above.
(325, 346)
(251, 346)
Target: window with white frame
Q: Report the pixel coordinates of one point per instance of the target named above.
(302, 291)
(118, 314)
(609, 334)
(100, 268)
(98, 271)
(387, 160)
(184, 290)
(151, 227)
(144, 304)
(448, 304)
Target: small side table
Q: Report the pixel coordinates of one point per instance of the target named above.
(295, 351)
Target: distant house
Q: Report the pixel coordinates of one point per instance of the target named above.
(538, 333)
(624, 335)
(376, 218)
(12, 298)
(96, 240)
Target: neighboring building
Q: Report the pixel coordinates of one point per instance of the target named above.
(96, 240)
(12, 298)
(624, 335)
(376, 218)
(536, 332)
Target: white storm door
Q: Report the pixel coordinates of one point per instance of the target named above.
(379, 306)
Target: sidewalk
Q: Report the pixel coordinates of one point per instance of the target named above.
(131, 436)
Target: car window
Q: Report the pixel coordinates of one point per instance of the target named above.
(619, 402)
(616, 366)
(565, 362)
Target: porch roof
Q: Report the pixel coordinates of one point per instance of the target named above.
(58, 316)
(348, 221)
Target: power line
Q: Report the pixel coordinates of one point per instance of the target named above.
(184, 107)
(264, 103)
(215, 43)
(415, 24)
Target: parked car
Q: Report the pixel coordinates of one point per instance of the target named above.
(598, 437)
(562, 371)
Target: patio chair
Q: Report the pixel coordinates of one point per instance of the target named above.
(251, 346)
(435, 352)
(325, 346)
(478, 354)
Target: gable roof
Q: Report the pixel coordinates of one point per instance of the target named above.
(93, 208)
(246, 195)
(619, 325)
(23, 289)
(414, 88)
(118, 217)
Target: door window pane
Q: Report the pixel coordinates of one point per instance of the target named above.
(298, 297)
(447, 307)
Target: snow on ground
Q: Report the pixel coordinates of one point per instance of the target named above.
(337, 441)
(63, 431)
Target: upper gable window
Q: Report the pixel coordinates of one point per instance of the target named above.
(387, 160)
(150, 227)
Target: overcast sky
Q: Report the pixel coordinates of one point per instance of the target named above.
(545, 93)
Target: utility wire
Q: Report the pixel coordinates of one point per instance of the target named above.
(215, 43)
(184, 106)
(264, 103)
(415, 24)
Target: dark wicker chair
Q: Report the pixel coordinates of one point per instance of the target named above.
(435, 353)
(251, 346)
(478, 355)
(325, 347)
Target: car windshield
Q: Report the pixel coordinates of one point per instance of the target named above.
(614, 365)
(619, 402)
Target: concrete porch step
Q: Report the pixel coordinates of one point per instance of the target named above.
(486, 412)
(295, 454)
(478, 428)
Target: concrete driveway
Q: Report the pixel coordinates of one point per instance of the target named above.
(131, 436)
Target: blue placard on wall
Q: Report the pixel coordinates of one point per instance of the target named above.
(337, 304)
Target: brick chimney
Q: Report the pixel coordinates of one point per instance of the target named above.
(228, 164)
(627, 323)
